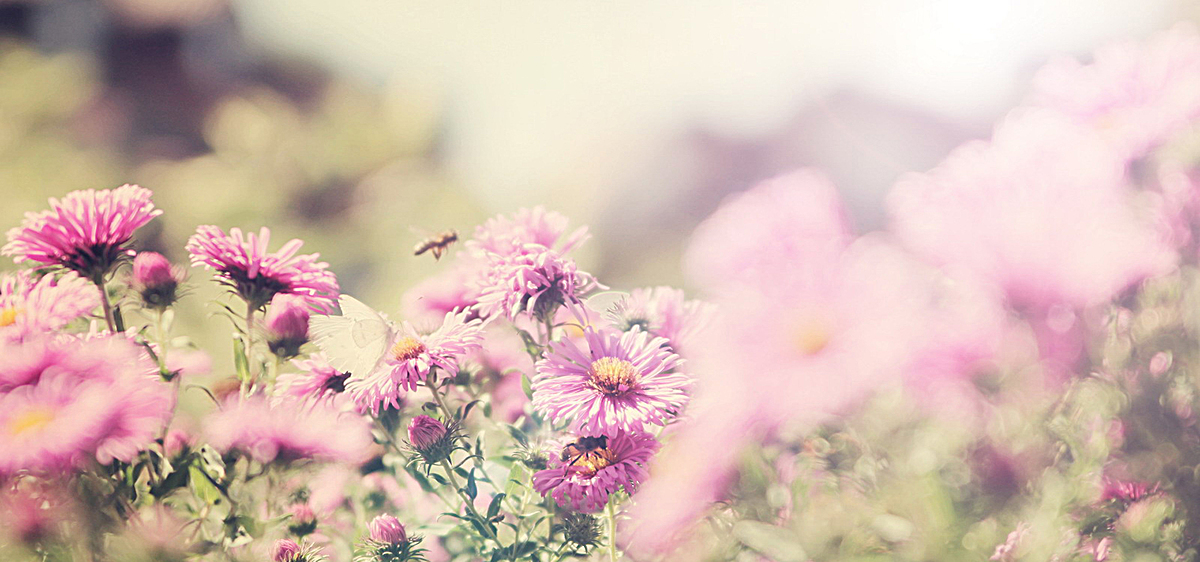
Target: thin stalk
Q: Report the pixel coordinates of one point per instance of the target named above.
(431, 382)
(108, 313)
(467, 502)
(611, 512)
(248, 383)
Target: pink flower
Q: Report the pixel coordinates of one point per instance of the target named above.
(285, 550)
(31, 306)
(289, 429)
(411, 357)
(72, 399)
(156, 280)
(242, 262)
(317, 379)
(86, 231)
(590, 469)
(622, 381)
(663, 312)
(286, 324)
(1043, 210)
(387, 529)
(506, 235)
(535, 281)
(449, 290)
(1136, 95)
(425, 432)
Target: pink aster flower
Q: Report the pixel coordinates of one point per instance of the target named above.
(618, 381)
(425, 432)
(451, 289)
(156, 280)
(79, 398)
(243, 262)
(590, 469)
(506, 235)
(1137, 95)
(410, 358)
(387, 529)
(535, 281)
(288, 430)
(31, 306)
(317, 379)
(286, 324)
(1043, 210)
(86, 231)
(663, 312)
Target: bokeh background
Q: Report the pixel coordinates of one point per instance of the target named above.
(358, 125)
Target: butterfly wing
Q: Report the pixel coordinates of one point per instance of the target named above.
(355, 341)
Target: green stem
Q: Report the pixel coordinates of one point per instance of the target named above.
(431, 382)
(468, 502)
(108, 313)
(248, 383)
(611, 511)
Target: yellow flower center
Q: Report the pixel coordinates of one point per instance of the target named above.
(612, 376)
(588, 464)
(8, 316)
(811, 336)
(31, 420)
(407, 348)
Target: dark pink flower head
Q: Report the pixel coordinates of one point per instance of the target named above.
(287, 324)
(156, 280)
(285, 550)
(618, 381)
(31, 306)
(588, 470)
(71, 399)
(1043, 210)
(425, 432)
(451, 289)
(86, 231)
(506, 235)
(410, 358)
(243, 262)
(663, 312)
(317, 379)
(1127, 490)
(387, 529)
(287, 429)
(1136, 95)
(534, 281)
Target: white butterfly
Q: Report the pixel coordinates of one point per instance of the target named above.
(354, 342)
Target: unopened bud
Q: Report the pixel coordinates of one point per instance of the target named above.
(287, 324)
(156, 280)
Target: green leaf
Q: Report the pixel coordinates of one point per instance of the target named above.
(518, 435)
(777, 543)
(494, 507)
(240, 361)
(527, 386)
(470, 489)
(202, 487)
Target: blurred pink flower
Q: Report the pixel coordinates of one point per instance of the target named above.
(452, 288)
(242, 262)
(156, 280)
(620, 381)
(1136, 95)
(1043, 210)
(285, 550)
(289, 429)
(86, 231)
(31, 306)
(663, 312)
(506, 235)
(535, 281)
(317, 379)
(410, 359)
(583, 479)
(286, 323)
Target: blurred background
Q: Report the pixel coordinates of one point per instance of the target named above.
(358, 125)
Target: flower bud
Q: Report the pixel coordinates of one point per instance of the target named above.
(286, 550)
(387, 529)
(287, 324)
(424, 431)
(156, 280)
(303, 521)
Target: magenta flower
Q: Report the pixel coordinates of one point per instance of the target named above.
(156, 280)
(534, 281)
(86, 231)
(65, 400)
(243, 262)
(410, 358)
(452, 288)
(286, 324)
(590, 469)
(31, 306)
(504, 235)
(287, 429)
(663, 312)
(387, 529)
(425, 432)
(999, 209)
(317, 379)
(285, 550)
(622, 381)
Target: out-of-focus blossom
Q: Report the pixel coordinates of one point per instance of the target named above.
(506, 235)
(317, 379)
(86, 231)
(1043, 210)
(620, 381)
(303, 521)
(79, 398)
(31, 306)
(32, 515)
(243, 262)
(663, 312)
(289, 429)
(1006, 551)
(189, 362)
(285, 550)
(1135, 94)
(590, 469)
(387, 529)
(535, 281)
(156, 280)
(1126, 490)
(411, 357)
(451, 289)
(286, 324)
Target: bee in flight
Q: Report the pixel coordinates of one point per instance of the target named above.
(437, 244)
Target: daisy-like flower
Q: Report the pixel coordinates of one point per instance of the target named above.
(317, 379)
(411, 356)
(289, 429)
(508, 234)
(30, 306)
(535, 281)
(590, 469)
(241, 260)
(79, 398)
(662, 311)
(621, 381)
(86, 231)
